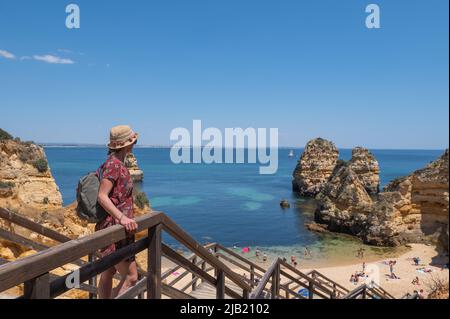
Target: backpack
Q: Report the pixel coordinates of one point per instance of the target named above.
(87, 192)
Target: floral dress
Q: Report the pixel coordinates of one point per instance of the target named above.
(122, 197)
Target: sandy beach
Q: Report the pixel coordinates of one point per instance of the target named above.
(404, 269)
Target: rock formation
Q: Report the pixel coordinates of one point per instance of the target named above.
(315, 167)
(410, 209)
(344, 203)
(136, 173)
(365, 165)
(25, 176)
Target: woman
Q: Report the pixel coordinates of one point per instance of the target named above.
(116, 197)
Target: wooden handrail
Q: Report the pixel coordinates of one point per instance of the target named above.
(179, 234)
(257, 293)
(33, 226)
(318, 274)
(383, 291)
(35, 270)
(356, 292)
(232, 253)
(312, 282)
(43, 262)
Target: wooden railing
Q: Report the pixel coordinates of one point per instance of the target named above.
(369, 291)
(206, 265)
(291, 279)
(34, 271)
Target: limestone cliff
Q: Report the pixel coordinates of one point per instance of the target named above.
(410, 209)
(315, 167)
(132, 164)
(25, 176)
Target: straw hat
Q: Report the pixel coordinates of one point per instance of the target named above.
(121, 136)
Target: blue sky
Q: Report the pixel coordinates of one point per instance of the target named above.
(309, 68)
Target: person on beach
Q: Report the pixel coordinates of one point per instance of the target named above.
(293, 260)
(116, 197)
(364, 267)
(257, 253)
(416, 281)
(265, 258)
(308, 252)
(361, 252)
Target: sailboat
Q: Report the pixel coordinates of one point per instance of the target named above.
(291, 153)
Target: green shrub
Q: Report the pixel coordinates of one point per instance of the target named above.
(41, 165)
(141, 200)
(6, 184)
(5, 135)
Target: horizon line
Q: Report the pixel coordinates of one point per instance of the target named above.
(165, 146)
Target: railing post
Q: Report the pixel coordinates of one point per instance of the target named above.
(194, 285)
(203, 267)
(154, 263)
(276, 282)
(252, 276)
(220, 285)
(287, 291)
(38, 288)
(311, 286)
(215, 255)
(93, 280)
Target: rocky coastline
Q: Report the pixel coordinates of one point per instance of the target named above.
(411, 209)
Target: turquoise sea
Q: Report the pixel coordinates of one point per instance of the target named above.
(231, 203)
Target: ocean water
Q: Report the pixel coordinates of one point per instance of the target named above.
(231, 203)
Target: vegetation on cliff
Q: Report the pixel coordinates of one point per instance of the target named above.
(5, 135)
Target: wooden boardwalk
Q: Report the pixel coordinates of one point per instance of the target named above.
(206, 274)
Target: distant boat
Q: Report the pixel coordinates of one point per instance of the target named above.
(291, 154)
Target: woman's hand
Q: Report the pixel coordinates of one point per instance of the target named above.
(129, 224)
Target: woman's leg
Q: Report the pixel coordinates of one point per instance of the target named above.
(128, 272)
(105, 284)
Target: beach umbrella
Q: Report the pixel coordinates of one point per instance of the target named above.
(304, 293)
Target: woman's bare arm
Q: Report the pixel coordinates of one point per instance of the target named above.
(103, 199)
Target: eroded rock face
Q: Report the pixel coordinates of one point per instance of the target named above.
(22, 180)
(343, 203)
(410, 209)
(136, 173)
(365, 165)
(315, 167)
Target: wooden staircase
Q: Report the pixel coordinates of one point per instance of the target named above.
(210, 272)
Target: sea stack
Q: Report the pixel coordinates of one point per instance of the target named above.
(365, 165)
(132, 164)
(315, 167)
(411, 209)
